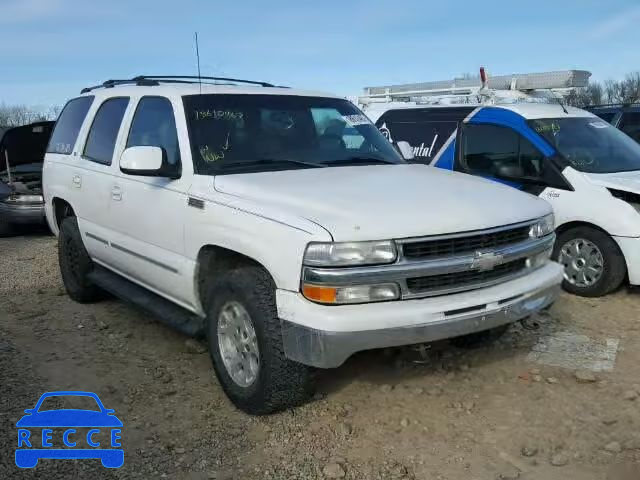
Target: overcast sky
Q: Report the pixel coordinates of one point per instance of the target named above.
(50, 49)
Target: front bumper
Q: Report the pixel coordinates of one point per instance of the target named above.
(22, 214)
(407, 322)
(630, 247)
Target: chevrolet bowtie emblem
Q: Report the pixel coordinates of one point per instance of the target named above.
(483, 261)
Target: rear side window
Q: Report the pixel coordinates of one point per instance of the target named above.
(102, 137)
(154, 125)
(68, 125)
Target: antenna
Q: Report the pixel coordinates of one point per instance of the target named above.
(198, 60)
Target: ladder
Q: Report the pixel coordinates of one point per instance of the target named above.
(517, 87)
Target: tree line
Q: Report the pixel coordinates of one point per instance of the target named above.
(624, 91)
(16, 115)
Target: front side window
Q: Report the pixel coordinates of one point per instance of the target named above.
(589, 144)
(630, 124)
(499, 151)
(101, 140)
(245, 133)
(154, 125)
(68, 125)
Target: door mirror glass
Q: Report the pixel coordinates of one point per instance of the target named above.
(405, 150)
(146, 161)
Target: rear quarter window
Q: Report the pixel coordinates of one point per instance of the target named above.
(65, 133)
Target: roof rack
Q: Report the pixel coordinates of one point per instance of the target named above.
(154, 80)
(517, 87)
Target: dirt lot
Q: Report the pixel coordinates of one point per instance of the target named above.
(439, 413)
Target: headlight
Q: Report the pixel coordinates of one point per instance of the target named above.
(23, 199)
(545, 226)
(344, 254)
(351, 294)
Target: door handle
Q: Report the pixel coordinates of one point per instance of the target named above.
(116, 193)
(77, 180)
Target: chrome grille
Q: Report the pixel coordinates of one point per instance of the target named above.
(458, 245)
(443, 264)
(464, 280)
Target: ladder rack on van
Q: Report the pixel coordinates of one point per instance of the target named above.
(467, 90)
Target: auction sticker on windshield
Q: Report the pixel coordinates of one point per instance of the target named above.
(69, 425)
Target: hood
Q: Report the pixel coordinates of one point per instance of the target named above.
(25, 145)
(386, 201)
(626, 181)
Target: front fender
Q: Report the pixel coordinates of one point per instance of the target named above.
(244, 228)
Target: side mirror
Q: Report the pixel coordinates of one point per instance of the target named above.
(29, 411)
(109, 411)
(147, 161)
(509, 171)
(405, 150)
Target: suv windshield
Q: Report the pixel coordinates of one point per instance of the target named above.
(590, 144)
(249, 133)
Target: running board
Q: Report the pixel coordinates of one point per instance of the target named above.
(167, 312)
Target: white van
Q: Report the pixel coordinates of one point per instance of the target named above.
(587, 169)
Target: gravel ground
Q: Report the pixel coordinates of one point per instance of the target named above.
(431, 413)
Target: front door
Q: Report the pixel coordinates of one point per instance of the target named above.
(148, 212)
(502, 154)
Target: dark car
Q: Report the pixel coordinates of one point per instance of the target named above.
(623, 117)
(22, 152)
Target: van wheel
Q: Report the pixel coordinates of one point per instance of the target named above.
(479, 339)
(593, 263)
(75, 264)
(245, 344)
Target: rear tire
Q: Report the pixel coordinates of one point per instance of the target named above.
(577, 244)
(75, 263)
(479, 339)
(278, 383)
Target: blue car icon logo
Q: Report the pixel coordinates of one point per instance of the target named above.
(36, 432)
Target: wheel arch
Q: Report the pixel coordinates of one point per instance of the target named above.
(216, 258)
(61, 210)
(576, 224)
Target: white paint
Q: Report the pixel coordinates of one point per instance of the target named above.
(272, 216)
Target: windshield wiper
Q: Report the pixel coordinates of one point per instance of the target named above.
(270, 161)
(362, 159)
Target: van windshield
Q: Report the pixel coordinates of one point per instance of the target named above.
(251, 133)
(590, 144)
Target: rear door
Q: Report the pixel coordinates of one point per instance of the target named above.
(430, 131)
(92, 176)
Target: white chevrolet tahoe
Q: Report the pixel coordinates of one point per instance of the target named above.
(283, 226)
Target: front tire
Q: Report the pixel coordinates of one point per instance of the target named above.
(245, 344)
(75, 263)
(593, 263)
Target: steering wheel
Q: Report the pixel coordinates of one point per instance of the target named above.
(327, 139)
